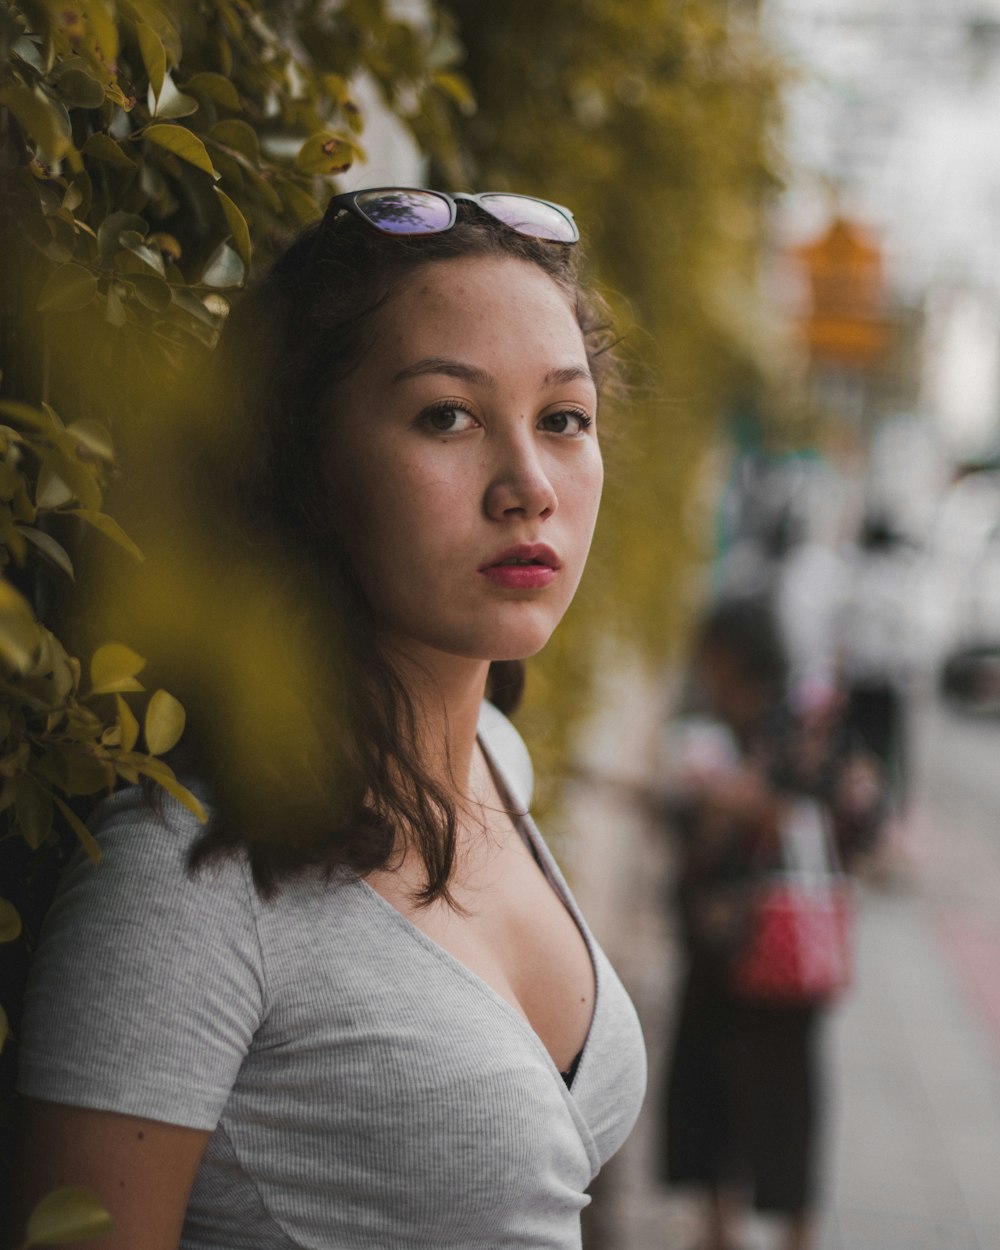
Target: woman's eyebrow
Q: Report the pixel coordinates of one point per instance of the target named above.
(479, 377)
(451, 368)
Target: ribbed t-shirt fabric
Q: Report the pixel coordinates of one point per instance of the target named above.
(362, 1087)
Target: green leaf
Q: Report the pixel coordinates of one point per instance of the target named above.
(159, 772)
(70, 287)
(109, 527)
(172, 103)
(32, 811)
(66, 1215)
(80, 89)
(43, 419)
(240, 137)
(127, 724)
(48, 546)
(151, 291)
(163, 723)
(224, 268)
(183, 143)
(132, 241)
(80, 831)
(237, 224)
(10, 921)
(62, 479)
(456, 88)
(214, 87)
(20, 633)
(302, 204)
(113, 668)
(114, 314)
(154, 55)
(94, 437)
(114, 225)
(42, 119)
(52, 490)
(103, 148)
(325, 153)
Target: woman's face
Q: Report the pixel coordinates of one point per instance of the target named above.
(465, 464)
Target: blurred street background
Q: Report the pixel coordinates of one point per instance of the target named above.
(876, 533)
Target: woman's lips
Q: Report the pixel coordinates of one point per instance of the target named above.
(529, 566)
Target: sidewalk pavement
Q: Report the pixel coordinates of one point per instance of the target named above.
(913, 1051)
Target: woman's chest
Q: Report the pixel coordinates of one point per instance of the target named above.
(387, 1078)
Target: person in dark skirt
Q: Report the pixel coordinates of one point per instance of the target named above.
(743, 1087)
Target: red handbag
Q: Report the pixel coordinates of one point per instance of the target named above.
(799, 945)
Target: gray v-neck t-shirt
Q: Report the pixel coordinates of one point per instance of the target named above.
(362, 1087)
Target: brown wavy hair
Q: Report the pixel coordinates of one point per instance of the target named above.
(295, 335)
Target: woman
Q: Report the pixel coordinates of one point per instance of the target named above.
(395, 1030)
(743, 1089)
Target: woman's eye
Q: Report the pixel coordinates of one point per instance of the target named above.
(448, 419)
(566, 421)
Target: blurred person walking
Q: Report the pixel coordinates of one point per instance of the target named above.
(876, 628)
(743, 1087)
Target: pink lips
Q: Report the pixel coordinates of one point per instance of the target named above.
(528, 566)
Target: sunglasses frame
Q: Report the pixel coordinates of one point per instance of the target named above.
(347, 201)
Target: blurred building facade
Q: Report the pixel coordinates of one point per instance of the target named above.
(891, 122)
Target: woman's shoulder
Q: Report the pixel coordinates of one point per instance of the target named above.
(507, 751)
(145, 838)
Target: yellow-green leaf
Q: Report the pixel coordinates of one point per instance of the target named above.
(238, 226)
(70, 287)
(154, 55)
(239, 136)
(63, 478)
(20, 633)
(40, 117)
(103, 148)
(224, 268)
(48, 546)
(66, 1215)
(10, 921)
(157, 771)
(183, 143)
(51, 490)
(214, 87)
(151, 291)
(163, 724)
(80, 830)
(127, 724)
(302, 204)
(109, 527)
(39, 419)
(94, 437)
(32, 811)
(172, 103)
(114, 667)
(325, 154)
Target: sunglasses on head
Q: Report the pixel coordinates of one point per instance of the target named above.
(410, 211)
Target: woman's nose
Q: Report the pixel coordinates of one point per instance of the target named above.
(519, 483)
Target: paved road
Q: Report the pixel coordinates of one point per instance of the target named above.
(914, 1051)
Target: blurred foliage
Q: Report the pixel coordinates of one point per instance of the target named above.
(652, 121)
(150, 153)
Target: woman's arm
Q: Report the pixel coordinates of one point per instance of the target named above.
(141, 1170)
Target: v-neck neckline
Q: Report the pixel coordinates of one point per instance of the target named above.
(526, 828)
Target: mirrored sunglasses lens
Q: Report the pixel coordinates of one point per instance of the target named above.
(405, 212)
(531, 217)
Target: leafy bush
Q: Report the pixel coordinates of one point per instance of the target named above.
(150, 153)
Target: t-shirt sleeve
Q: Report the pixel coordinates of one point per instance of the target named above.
(147, 986)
